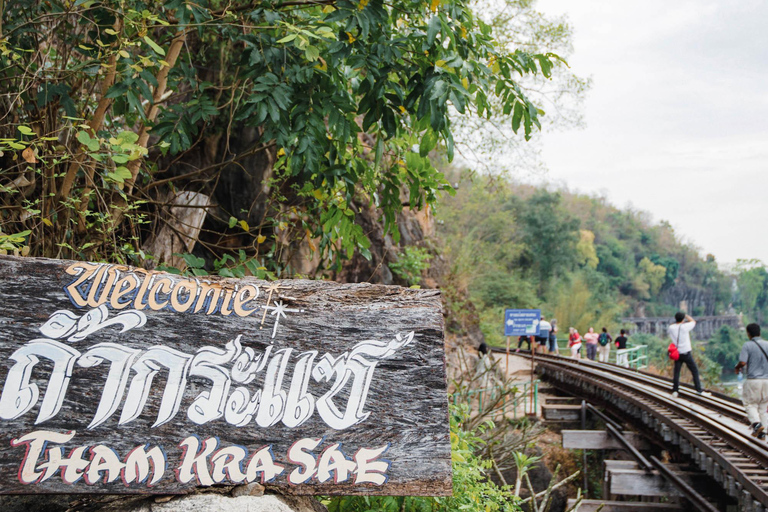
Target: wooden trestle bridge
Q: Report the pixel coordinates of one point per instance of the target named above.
(712, 463)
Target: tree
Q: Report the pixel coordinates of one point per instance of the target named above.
(488, 143)
(550, 235)
(110, 109)
(586, 249)
(752, 289)
(724, 347)
(652, 274)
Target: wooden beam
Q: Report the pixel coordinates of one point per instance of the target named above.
(600, 440)
(636, 482)
(624, 506)
(561, 412)
(561, 400)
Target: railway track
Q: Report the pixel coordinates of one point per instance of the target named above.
(712, 431)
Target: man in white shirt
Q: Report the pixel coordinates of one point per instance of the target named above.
(680, 334)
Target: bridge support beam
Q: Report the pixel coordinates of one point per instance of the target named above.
(600, 440)
(624, 506)
(637, 482)
(561, 412)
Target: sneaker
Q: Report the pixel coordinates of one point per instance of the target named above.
(758, 430)
(674, 394)
(705, 393)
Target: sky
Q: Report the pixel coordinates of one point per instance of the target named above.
(677, 117)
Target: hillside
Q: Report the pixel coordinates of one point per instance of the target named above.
(578, 258)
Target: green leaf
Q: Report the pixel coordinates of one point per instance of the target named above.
(154, 46)
(432, 30)
(287, 39)
(232, 222)
(428, 143)
(312, 53)
(83, 137)
(128, 137)
(26, 130)
(120, 175)
(193, 261)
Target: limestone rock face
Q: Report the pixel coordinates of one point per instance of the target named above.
(221, 503)
(204, 502)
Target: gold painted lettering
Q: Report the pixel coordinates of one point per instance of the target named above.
(111, 273)
(85, 271)
(247, 293)
(124, 286)
(138, 302)
(226, 309)
(176, 303)
(164, 285)
(214, 291)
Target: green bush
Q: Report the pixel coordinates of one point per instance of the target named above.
(411, 263)
(472, 489)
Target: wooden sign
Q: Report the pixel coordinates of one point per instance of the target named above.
(119, 380)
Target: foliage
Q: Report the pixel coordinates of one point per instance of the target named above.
(550, 235)
(724, 347)
(586, 249)
(576, 304)
(472, 490)
(488, 144)
(752, 289)
(110, 108)
(577, 257)
(411, 263)
(657, 348)
(226, 266)
(652, 276)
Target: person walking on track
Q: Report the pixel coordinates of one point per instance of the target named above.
(574, 341)
(754, 355)
(591, 340)
(680, 334)
(604, 341)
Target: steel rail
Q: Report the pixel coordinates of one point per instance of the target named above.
(724, 404)
(696, 499)
(639, 457)
(676, 416)
(600, 414)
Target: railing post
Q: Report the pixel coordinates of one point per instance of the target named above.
(584, 452)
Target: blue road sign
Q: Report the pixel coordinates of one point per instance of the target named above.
(522, 322)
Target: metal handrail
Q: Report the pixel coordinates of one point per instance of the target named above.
(635, 357)
(493, 393)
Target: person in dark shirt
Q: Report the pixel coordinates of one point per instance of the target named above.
(621, 341)
(521, 340)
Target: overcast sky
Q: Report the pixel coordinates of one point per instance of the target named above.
(677, 119)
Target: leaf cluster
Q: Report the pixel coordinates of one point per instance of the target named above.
(107, 107)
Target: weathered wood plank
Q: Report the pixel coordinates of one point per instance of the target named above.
(624, 506)
(600, 440)
(561, 412)
(636, 482)
(155, 383)
(561, 400)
